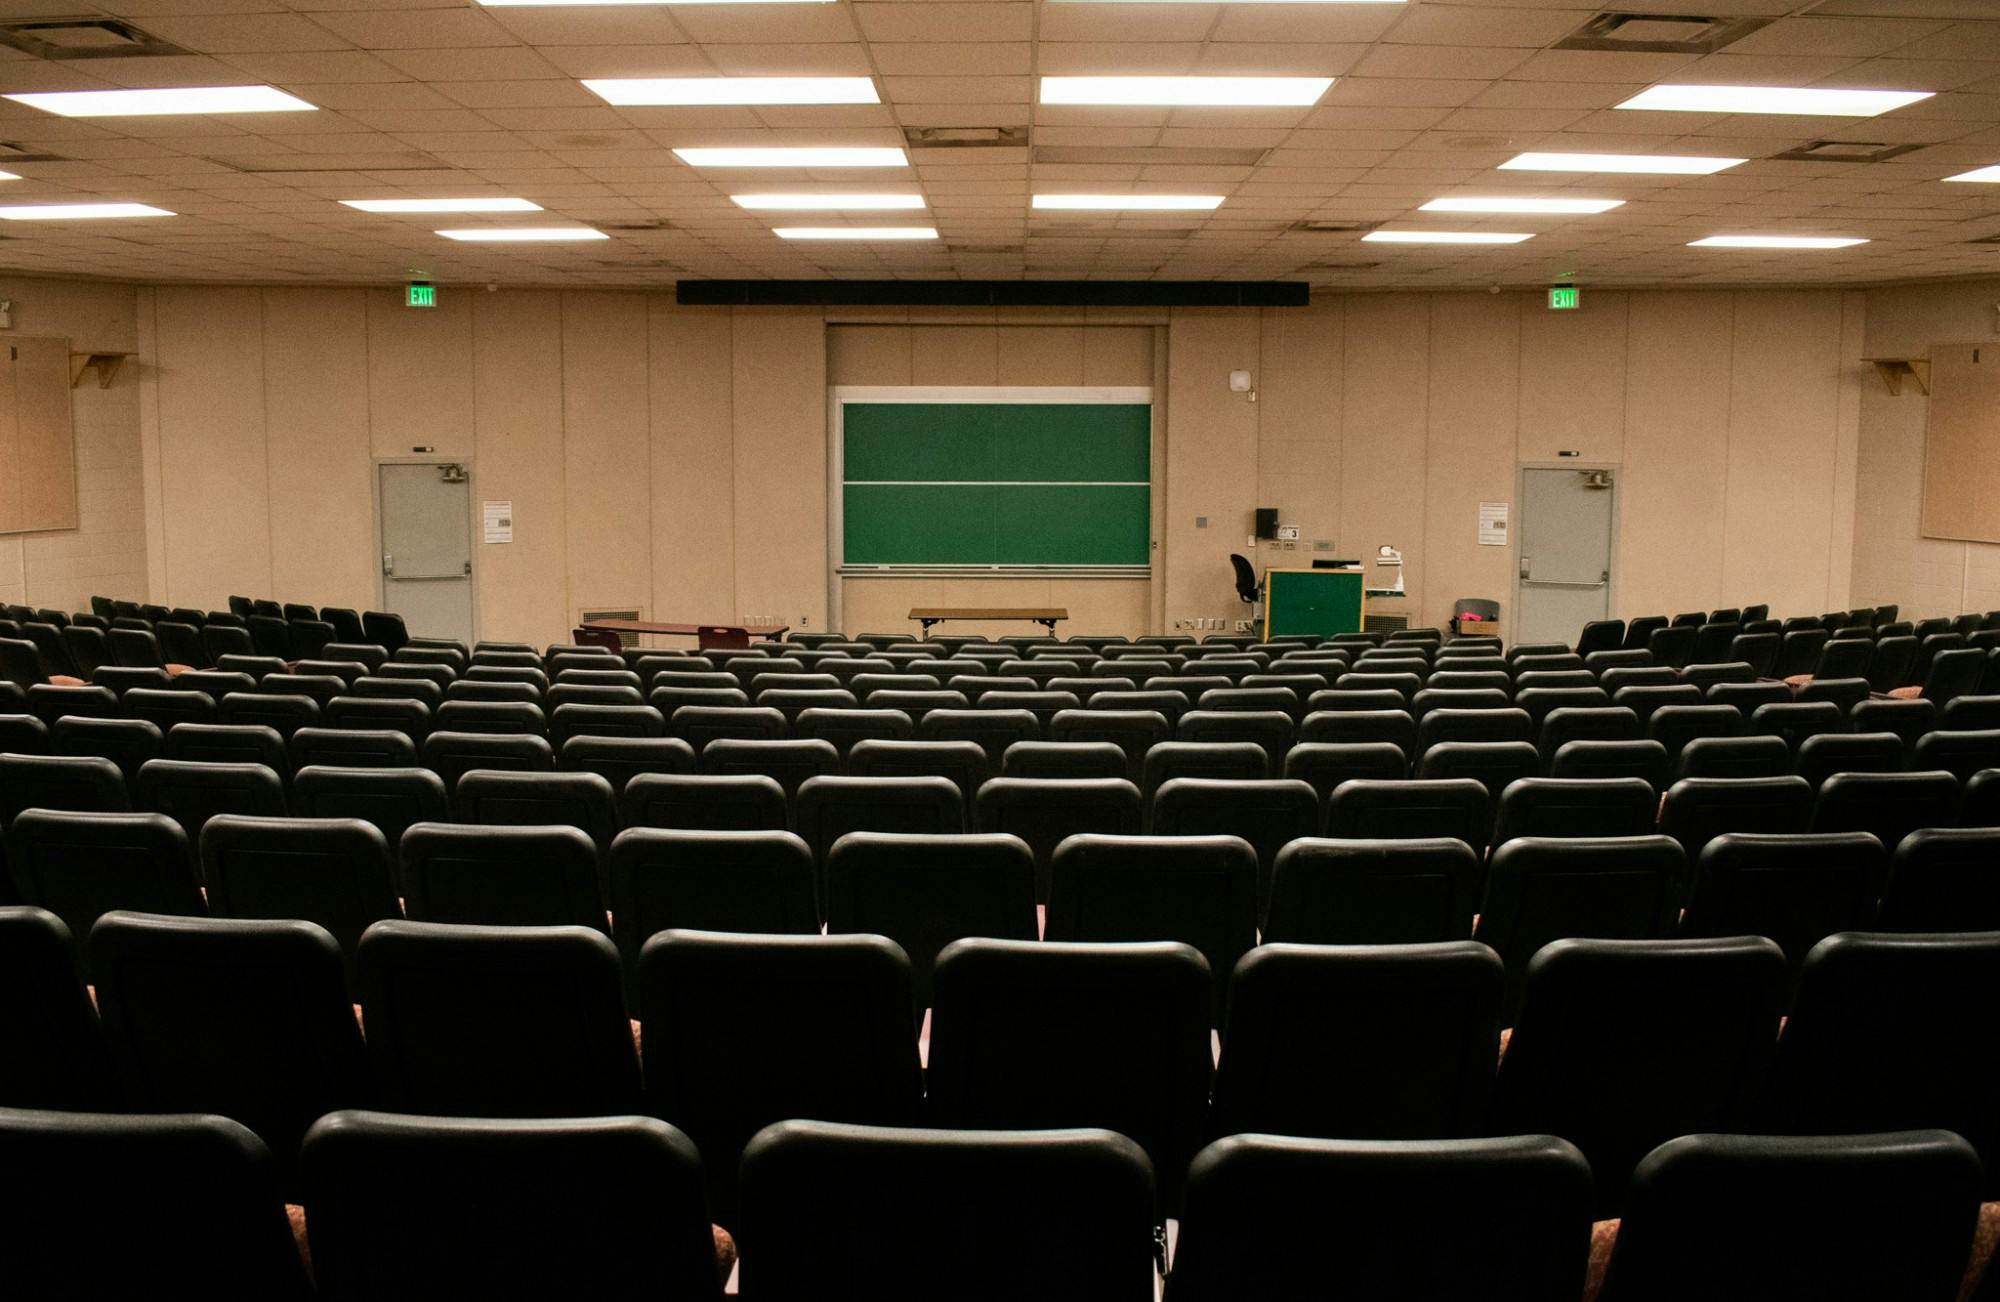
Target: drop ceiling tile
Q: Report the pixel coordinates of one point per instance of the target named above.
(945, 20)
(1980, 40)
(1462, 25)
(1267, 58)
(1126, 22)
(629, 61)
(830, 116)
(1911, 74)
(1451, 61)
(469, 64)
(916, 58)
(591, 24)
(1128, 58)
(1393, 119)
(1328, 22)
(1600, 65)
(848, 58)
(547, 93)
(345, 67)
(394, 97)
(957, 90)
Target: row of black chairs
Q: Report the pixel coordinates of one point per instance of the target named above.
(613, 1208)
(1618, 1046)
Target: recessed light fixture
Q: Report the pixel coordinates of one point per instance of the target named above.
(1130, 202)
(856, 232)
(165, 102)
(62, 212)
(442, 205)
(1637, 164)
(523, 234)
(1443, 237)
(8, 176)
(1776, 242)
(785, 156)
(633, 92)
(1504, 205)
(827, 202)
(1812, 101)
(1990, 174)
(1187, 92)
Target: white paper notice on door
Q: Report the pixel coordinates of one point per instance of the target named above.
(1492, 524)
(499, 520)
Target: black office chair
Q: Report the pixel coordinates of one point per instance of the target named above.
(1246, 579)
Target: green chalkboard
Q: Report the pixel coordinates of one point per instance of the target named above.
(996, 483)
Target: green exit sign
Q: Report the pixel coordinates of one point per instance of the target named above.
(422, 295)
(1562, 298)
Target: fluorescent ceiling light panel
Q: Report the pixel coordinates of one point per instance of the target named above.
(827, 202)
(442, 205)
(1636, 164)
(165, 102)
(1196, 2)
(632, 92)
(1505, 205)
(1991, 174)
(1775, 242)
(8, 176)
(1187, 92)
(1130, 202)
(784, 156)
(1808, 100)
(1443, 237)
(62, 212)
(523, 234)
(856, 232)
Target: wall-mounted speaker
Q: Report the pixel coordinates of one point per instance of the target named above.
(1267, 522)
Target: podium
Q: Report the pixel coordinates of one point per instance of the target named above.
(1313, 603)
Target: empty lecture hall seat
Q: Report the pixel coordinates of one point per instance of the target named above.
(1044, 811)
(1621, 1045)
(1795, 888)
(79, 866)
(1373, 892)
(543, 875)
(339, 873)
(742, 1031)
(1027, 1036)
(497, 1021)
(1274, 1217)
(97, 1205)
(835, 1210)
(660, 879)
(1824, 1218)
(599, 1207)
(1360, 1041)
(51, 1054)
(1944, 879)
(246, 1019)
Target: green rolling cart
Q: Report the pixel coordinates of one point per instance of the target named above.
(1313, 603)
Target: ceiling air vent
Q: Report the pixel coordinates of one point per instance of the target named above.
(1659, 33)
(1843, 151)
(84, 38)
(1332, 226)
(637, 225)
(983, 248)
(277, 164)
(1148, 156)
(965, 137)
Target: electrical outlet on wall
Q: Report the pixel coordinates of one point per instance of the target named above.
(1243, 626)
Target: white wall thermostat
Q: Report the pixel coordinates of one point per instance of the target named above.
(1239, 381)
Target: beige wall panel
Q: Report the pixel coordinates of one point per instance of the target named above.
(1384, 462)
(518, 420)
(1039, 355)
(1676, 457)
(1474, 382)
(694, 533)
(316, 420)
(1847, 449)
(106, 551)
(214, 477)
(13, 581)
(607, 450)
(779, 415)
(1118, 355)
(954, 355)
(1573, 376)
(1211, 461)
(1298, 426)
(44, 458)
(1106, 607)
(420, 374)
(868, 355)
(1783, 432)
(1095, 606)
(1961, 498)
(13, 488)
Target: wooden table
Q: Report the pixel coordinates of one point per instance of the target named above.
(1046, 617)
(708, 636)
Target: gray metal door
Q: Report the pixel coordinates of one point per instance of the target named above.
(427, 547)
(1565, 562)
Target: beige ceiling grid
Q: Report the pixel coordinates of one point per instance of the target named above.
(436, 98)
